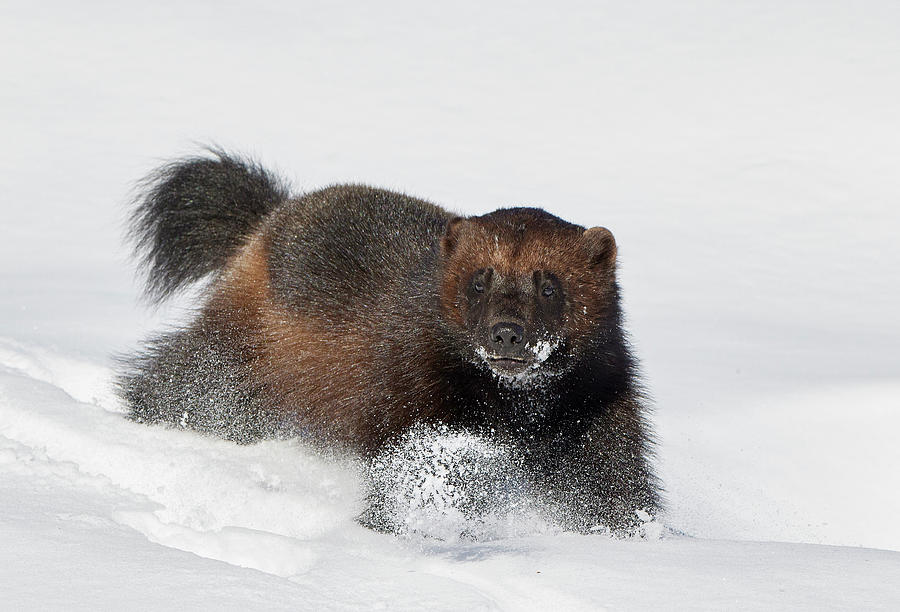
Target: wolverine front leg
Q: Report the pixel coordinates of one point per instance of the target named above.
(601, 481)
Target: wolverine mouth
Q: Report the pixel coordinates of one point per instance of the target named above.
(496, 358)
(528, 362)
(506, 364)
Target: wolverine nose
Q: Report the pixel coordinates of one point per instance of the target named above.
(506, 335)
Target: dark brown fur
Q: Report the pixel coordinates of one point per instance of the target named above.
(347, 315)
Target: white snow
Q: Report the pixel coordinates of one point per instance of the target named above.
(542, 349)
(451, 486)
(744, 154)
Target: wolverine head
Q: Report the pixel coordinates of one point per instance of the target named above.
(526, 290)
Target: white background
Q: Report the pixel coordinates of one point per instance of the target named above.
(744, 154)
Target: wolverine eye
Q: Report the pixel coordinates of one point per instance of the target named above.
(481, 279)
(548, 290)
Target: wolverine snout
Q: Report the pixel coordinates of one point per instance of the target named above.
(507, 339)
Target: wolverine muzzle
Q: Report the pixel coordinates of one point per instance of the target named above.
(507, 339)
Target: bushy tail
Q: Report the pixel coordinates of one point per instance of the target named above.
(192, 214)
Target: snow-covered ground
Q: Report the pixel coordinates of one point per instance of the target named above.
(745, 155)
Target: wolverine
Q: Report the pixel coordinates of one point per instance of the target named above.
(351, 314)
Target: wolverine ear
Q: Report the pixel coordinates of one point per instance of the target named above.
(451, 235)
(601, 245)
